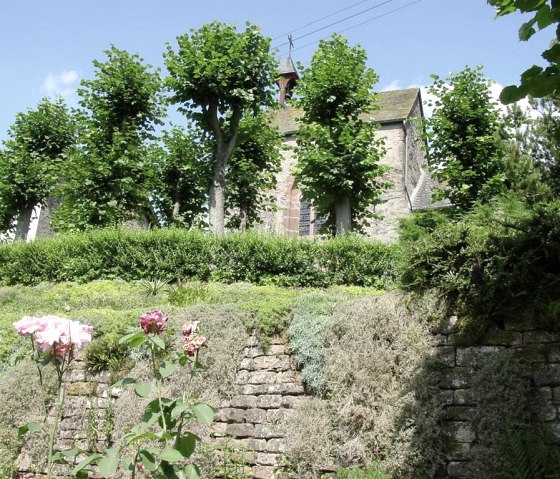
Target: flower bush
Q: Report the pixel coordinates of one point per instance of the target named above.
(53, 340)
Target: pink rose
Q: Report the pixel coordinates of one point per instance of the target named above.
(29, 325)
(190, 328)
(193, 340)
(153, 322)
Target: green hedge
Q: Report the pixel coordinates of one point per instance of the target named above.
(192, 255)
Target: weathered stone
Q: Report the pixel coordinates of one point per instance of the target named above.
(263, 377)
(276, 340)
(523, 323)
(267, 459)
(457, 378)
(263, 472)
(470, 355)
(241, 430)
(458, 431)
(230, 415)
(275, 445)
(218, 429)
(554, 353)
(499, 337)
(548, 375)
(255, 416)
(548, 412)
(540, 337)
(440, 340)
(265, 431)
(276, 349)
(457, 413)
(555, 430)
(290, 401)
(243, 401)
(458, 451)
(446, 354)
(242, 377)
(274, 363)
(531, 353)
(269, 401)
(458, 470)
(447, 396)
(556, 394)
(464, 397)
(254, 389)
(82, 388)
(253, 352)
(449, 326)
(246, 363)
(275, 416)
(288, 377)
(545, 393)
(252, 341)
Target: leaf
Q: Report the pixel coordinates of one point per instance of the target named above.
(157, 341)
(192, 472)
(124, 382)
(171, 455)
(148, 460)
(142, 389)
(133, 339)
(86, 462)
(186, 444)
(30, 427)
(204, 413)
(179, 408)
(511, 94)
(527, 30)
(167, 368)
(108, 465)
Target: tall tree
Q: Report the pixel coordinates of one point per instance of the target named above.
(462, 134)
(183, 163)
(252, 169)
(537, 81)
(111, 174)
(218, 73)
(33, 161)
(338, 155)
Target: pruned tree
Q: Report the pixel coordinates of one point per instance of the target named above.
(217, 74)
(462, 134)
(183, 162)
(34, 158)
(111, 176)
(252, 169)
(338, 154)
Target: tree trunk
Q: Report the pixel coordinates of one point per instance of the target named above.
(217, 196)
(23, 223)
(343, 215)
(177, 203)
(243, 218)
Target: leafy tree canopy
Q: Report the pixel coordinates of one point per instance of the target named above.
(34, 158)
(216, 74)
(112, 174)
(338, 155)
(536, 81)
(463, 139)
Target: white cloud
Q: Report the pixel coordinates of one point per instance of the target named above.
(394, 85)
(62, 84)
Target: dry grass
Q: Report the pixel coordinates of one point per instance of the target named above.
(381, 398)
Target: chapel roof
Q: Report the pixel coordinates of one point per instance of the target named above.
(394, 106)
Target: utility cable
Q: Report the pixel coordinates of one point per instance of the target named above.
(319, 20)
(359, 24)
(336, 23)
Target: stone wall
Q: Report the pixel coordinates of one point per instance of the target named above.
(268, 386)
(541, 350)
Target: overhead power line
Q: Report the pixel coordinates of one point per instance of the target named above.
(337, 22)
(319, 20)
(358, 24)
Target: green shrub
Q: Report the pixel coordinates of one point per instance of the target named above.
(374, 471)
(174, 254)
(497, 263)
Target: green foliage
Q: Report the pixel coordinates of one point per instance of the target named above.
(499, 262)
(191, 255)
(375, 471)
(463, 141)
(338, 155)
(184, 168)
(217, 74)
(111, 177)
(536, 81)
(308, 333)
(34, 159)
(188, 294)
(252, 170)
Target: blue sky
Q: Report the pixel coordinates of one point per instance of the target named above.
(47, 46)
